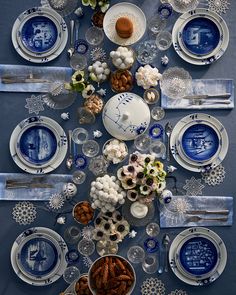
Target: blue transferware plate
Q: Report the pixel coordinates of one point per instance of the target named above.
(38, 145)
(38, 257)
(198, 256)
(200, 142)
(39, 34)
(201, 36)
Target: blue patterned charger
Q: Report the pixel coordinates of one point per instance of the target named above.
(198, 256)
(200, 142)
(39, 34)
(38, 145)
(201, 36)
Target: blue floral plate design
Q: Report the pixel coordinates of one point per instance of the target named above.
(200, 36)
(38, 144)
(197, 256)
(39, 34)
(200, 142)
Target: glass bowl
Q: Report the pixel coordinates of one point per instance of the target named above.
(176, 82)
(94, 36)
(79, 135)
(183, 6)
(114, 152)
(121, 81)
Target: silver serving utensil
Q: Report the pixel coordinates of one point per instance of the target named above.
(27, 185)
(168, 131)
(199, 218)
(71, 50)
(77, 25)
(69, 160)
(205, 212)
(165, 243)
(202, 101)
(208, 96)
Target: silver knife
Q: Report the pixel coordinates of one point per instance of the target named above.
(220, 212)
(28, 185)
(206, 96)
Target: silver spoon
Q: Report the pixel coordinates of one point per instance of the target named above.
(165, 243)
(168, 131)
(69, 160)
(71, 50)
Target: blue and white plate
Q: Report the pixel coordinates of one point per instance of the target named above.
(200, 142)
(211, 157)
(38, 256)
(39, 34)
(38, 145)
(188, 40)
(201, 36)
(197, 256)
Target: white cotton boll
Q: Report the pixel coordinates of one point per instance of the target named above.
(99, 77)
(93, 206)
(113, 178)
(99, 71)
(118, 61)
(123, 66)
(104, 65)
(90, 68)
(97, 203)
(129, 53)
(107, 71)
(104, 77)
(100, 193)
(112, 54)
(122, 201)
(99, 186)
(98, 63)
(93, 189)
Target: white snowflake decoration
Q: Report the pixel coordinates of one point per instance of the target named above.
(97, 134)
(56, 202)
(87, 232)
(56, 89)
(171, 169)
(87, 261)
(24, 213)
(65, 116)
(214, 176)
(132, 234)
(152, 286)
(180, 205)
(193, 186)
(219, 6)
(102, 92)
(164, 60)
(34, 104)
(178, 292)
(98, 54)
(61, 220)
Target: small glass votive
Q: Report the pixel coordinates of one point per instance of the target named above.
(78, 61)
(136, 254)
(153, 229)
(72, 235)
(78, 177)
(151, 96)
(90, 148)
(72, 256)
(85, 116)
(164, 40)
(86, 247)
(98, 165)
(151, 245)
(80, 162)
(157, 113)
(158, 149)
(142, 142)
(94, 36)
(71, 274)
(79, 135)
(156, 131)
(157, 24)
(165, 10)
(146, 52)
(150, 264)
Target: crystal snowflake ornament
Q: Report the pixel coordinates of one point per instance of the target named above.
(102, 92)
(61, 220)
(164, 60)
(87, 232)
(97, 134)
(56, 202)
(214, 176)
(193, 186)
(24, 213)
(34, 104)
(98, 53)
(152, 286)
(132, 234)
(87, 261)
(178, 292)
(218, 6)
(180, 205)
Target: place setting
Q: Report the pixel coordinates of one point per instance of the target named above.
(120, 157)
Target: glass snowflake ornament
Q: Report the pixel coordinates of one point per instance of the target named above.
(219, 6)
(152, 286)
(24, 213)
(98, 54)
(214, 176)
(193, 186)
(34, 104)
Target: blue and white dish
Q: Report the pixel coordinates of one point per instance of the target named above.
(201, 164)
(200, 142)
(38, 145)
(191, 54)
(201, 36)
(38, 256)
(197, 256)
(39, 34)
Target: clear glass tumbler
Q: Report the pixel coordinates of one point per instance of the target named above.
(94, 36)
(157, 24)
(86, 247)
(90, 148)
(78, 61)
(164, 40)
(71, 274)
(158, 149)
(72, 234)
(142, 142)
(79, 135)
(136, 254)
(153, 229)
(150, 264)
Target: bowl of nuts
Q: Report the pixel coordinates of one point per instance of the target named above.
(121, 81)
(83, 212)
(111, 274)
(81, 286)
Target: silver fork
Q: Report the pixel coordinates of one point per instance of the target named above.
(168, 131)
(199, 218)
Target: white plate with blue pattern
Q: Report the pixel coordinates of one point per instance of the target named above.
(187, 162)
(197, 256)
(187, 53)
(38, 256)
(39, 34)
(38, 145)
